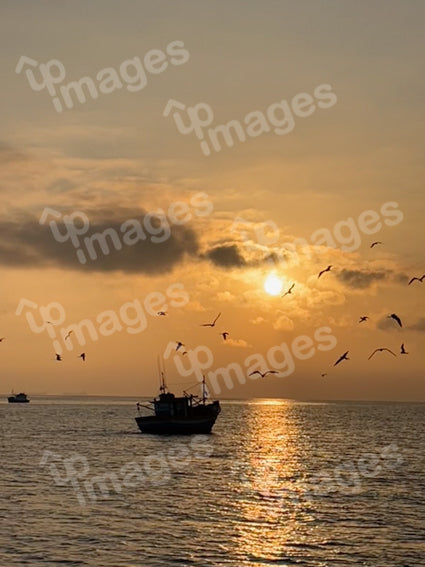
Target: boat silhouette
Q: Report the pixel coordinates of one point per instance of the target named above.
(173, 415)
(20, 398)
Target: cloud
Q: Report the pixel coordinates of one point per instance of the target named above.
(418, 326)
(359, 279)
(239, 343)
(387, 324)
(258, 320)
(283, 323)
(227, 256)
(26, 243)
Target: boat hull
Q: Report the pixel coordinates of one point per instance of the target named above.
(15, 401)
(178, 426)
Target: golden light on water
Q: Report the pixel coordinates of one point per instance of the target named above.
(273, 285)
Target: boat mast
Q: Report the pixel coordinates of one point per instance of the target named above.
(162, 385)
(204, 389)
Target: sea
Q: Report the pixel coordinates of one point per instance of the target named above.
(278, 482)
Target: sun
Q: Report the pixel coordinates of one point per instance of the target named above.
(273, 285)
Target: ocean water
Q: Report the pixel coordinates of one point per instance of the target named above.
(277, 483)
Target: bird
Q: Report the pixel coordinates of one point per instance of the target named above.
(83, 356)
(342, 357)
(68, 335)
(162, 313)
(396, 318)
(363, 318)
(265, 373)
(211, 324)
(224, 335)
(179, 344)
(418, 279)
(328, 269)
(403, 350)
(2, 339)
(381, 350)
(323, 374)
(289, 290)
(376, 243)
(184, 352)
(58, 357)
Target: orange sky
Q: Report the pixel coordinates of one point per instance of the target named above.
(228, 219)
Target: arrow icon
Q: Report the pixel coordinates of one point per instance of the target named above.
(25, 303)
(25, 60)
(48, 211)
(172, 104)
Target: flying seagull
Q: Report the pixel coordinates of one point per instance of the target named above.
(363, 318)
(179, 344)
(58, 357)
(224, 335)
(418, 279)
(68, 335)
(396, 318)
(342, 357)
(289, 290)
(328, 269)
(323, 374)
(265, 373)
(376, 243)
(83, 356)
(403, 350)
(381, 350)
(162, 313)
(211, 324)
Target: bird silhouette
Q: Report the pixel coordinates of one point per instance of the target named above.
(83, 356)
(342, 357)
(68, 335)
(211, 324)
(403, 350)
(263, 374)
(58, 357)
(162, 313)
(2, 339)
(363, 318)
(396, 318)
(376, 243)
(289, 290)
(417, 279)
(328, 269)
(381, 350)
(179, 344)
(323, 374)
(224, 335)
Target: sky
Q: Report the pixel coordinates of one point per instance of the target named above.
(199, 158)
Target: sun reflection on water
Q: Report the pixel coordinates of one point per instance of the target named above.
(270, 465)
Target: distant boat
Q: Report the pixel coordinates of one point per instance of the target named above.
(18, 399)
(178, 416)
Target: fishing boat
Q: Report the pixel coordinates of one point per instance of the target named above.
(171, 415)
(20, 398)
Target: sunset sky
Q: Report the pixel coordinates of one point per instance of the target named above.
(116, 157)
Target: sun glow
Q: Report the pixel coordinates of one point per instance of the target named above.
(273, 285)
